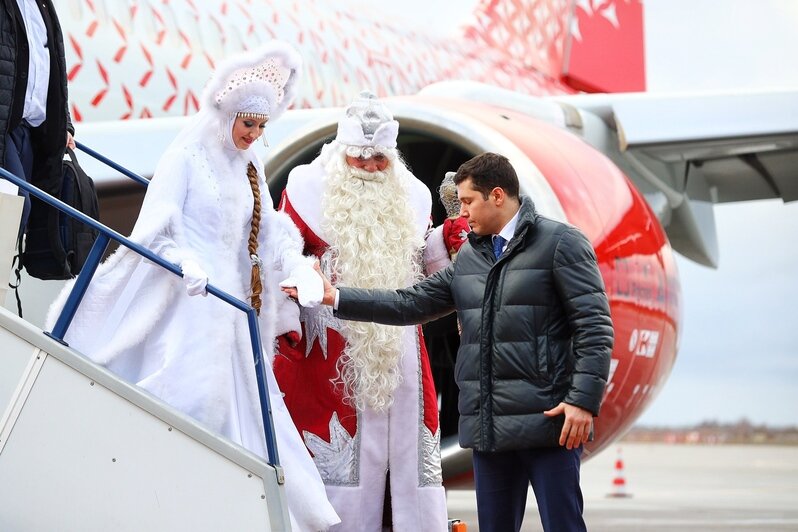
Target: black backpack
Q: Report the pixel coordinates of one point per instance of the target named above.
(56, 246)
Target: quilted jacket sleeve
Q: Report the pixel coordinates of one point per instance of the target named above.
(581, 289)
(427, 300)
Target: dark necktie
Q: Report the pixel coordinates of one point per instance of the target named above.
(498, 245)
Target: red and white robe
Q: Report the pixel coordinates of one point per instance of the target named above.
(354, 449)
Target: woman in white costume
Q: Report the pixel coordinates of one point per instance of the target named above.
(208, 209)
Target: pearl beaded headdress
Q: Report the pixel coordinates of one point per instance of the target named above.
(259, 84)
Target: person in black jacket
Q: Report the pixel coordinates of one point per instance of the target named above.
(535, 347)
(35, 126)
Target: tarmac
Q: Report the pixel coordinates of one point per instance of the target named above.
(680, 487)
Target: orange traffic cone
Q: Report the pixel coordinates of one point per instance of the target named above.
(455, 525)
(619, 482)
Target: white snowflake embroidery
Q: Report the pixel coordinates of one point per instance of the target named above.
(336, 460)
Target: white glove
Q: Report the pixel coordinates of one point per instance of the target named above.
(194, 278)
(308, 283)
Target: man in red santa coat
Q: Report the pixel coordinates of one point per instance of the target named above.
(361, 394)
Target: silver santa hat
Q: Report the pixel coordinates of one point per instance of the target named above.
(367, 127)
(259, 84)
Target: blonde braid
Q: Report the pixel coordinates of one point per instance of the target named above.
(252, 247)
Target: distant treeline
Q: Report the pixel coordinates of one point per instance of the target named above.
(712, 432)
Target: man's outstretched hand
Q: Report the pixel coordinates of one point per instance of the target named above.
(329, 289)
(576, 429)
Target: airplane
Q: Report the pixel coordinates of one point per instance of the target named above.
(638, 173)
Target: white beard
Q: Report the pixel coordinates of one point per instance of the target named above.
(367, 217)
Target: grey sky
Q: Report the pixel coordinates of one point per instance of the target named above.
(739, 349)
(739, 345)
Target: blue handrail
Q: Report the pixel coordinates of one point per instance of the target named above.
(90, 266)
(119, 168)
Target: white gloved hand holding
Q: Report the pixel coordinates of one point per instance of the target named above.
(194, 277)
(308, 283)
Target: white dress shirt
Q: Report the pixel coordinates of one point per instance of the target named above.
(35, 109)
(508, 230)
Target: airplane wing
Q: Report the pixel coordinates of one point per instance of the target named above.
(745, 144)
(686, 152)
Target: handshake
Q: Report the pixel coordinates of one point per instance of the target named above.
(304, 289)
(305, 284)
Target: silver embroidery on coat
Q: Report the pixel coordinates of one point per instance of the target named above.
(317, 320)
(431, 474)
(429, 444)
(337, 461)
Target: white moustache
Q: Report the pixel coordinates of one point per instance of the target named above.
(364, 175)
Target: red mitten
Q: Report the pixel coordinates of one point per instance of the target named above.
(455, 232)
(287, 345)
(293, 337)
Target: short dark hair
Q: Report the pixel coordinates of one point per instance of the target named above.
(488, 171)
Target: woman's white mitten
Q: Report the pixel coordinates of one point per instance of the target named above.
(308, 283)
(194, 277)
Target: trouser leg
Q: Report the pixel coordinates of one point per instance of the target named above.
(554, 473)
(19, 161)
(501, 488)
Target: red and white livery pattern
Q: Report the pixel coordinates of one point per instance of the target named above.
(131, 59)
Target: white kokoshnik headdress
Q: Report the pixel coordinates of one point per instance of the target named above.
(368, 127)
(259, 84)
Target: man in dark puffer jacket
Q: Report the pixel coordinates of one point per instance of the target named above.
(535, 348)
(35, 125)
